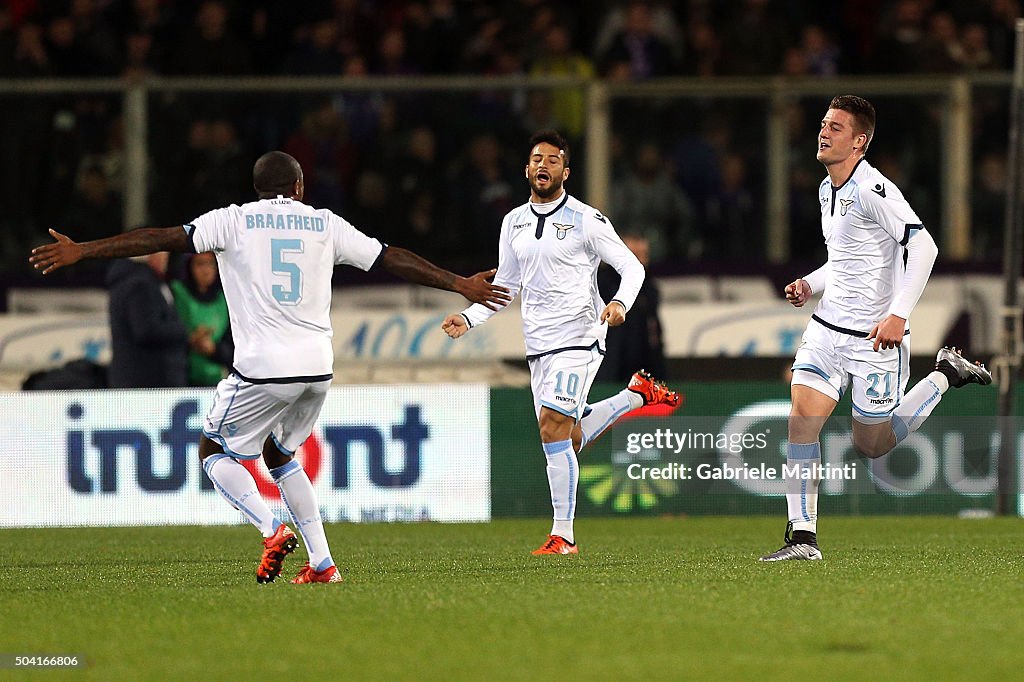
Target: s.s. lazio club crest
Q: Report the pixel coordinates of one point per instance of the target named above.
(562, 230)
(845, 205)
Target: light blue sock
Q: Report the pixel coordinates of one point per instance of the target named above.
(299, 497)
(236, 485)
(604, 413)
(918, 404)
(802, 492)
(563, 477)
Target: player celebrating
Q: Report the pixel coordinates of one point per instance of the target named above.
(858, 332)
(276, 258)
(550, 248)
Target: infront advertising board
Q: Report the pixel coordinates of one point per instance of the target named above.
(110, 458)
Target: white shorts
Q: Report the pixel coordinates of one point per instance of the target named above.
(244, 414)
(828, 360)
(562, 380)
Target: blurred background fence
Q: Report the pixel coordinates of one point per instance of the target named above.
(715, 172)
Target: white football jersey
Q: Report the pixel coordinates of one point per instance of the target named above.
(866, 223)
(551, 252)
(276, 258)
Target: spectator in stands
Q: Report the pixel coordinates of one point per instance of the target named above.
(433, 35)
(820, 52)
(391, 59)
(29, 58)
(941, 47)
(558, 58)
(539, 112)
(901, 38)
(66, 55)
(324, 150)
(147, 337)
(417, 178)
(485, 193)
(97, 37)
(139, 57)
(221, 171)
(1002, 15)
(648, 202)
(638, 45)
(358, 28)
(94, 210)
(317, 53)
(975, 54)
(210, 47)
(753, 41)
(696, 159)
(703, 55)
(637, 342)
(988, 207)
(373, 206)
(201, 305)
(733, 210)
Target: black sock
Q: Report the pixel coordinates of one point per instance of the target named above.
(949, 371)
(805, 537)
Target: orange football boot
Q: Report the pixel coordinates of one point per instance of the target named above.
(275, 548)
(652, 391)
(308, 575)
(556, 544)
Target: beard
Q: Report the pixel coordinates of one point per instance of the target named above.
(551, 190)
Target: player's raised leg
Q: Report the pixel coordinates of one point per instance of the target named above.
(952, 370)
(643, 389)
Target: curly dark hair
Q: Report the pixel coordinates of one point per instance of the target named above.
(552, 137)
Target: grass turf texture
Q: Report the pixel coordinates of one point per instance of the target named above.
(908, 597)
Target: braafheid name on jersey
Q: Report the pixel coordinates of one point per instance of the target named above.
(288, 221)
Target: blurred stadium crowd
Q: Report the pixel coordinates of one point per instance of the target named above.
(438, 172)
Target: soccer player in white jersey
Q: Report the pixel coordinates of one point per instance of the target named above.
(276, 258)
(550, 248)
(859, 335)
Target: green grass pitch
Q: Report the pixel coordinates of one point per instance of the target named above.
(655, 598)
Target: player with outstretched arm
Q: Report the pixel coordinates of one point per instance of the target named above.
(276, 257)
(879, 259)
(549, 249)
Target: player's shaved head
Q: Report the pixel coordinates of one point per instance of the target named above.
(275, 173)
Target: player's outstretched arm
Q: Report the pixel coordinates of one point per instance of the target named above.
(418, 270)
(65, 251)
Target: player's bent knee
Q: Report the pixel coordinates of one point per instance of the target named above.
(872, 449)
(555, 426)
(870, 453)
(273, 455)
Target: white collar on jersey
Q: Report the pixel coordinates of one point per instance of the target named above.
(543, 208)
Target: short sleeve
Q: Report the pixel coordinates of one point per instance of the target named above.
(212, 231)
(884, 204)
(352, 247)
